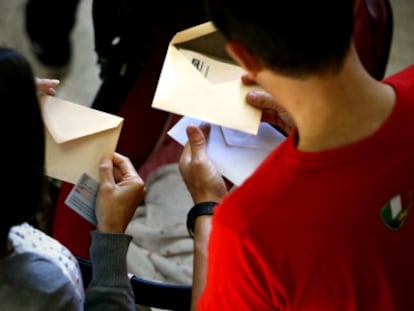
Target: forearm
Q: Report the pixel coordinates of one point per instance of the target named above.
(110, 288)
(201, 235)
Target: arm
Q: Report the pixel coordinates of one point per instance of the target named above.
(201, 234)
(204, 184)
(121, 189)
(110, 288)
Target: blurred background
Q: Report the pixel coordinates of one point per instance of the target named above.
(82, 81)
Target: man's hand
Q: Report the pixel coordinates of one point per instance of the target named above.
(202, 179)
(273, 113)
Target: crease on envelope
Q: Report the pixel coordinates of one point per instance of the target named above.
(238, 160)
(183, 90)
(77, 137)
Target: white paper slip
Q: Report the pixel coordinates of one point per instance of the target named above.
(235, 154)
(82, 198)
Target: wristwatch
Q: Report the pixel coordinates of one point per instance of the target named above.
(203, 208)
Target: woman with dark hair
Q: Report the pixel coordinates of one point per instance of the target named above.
(36, 271)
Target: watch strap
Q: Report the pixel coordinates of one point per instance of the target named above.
(200, 209)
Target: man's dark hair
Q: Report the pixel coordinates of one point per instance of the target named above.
(293, 37)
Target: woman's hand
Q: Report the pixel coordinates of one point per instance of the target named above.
(46, 86)
(121, 190)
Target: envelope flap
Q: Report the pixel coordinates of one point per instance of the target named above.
(193, 32)
(67, 121)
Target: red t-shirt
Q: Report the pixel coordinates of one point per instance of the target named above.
(323, 230)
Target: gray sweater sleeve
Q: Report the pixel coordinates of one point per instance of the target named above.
(110, 287)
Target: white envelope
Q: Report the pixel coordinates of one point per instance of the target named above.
(235, 154)
(77, 137)
(198, 79)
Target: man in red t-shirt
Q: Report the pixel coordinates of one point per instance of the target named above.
(324, 222)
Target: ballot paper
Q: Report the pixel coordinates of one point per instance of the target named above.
(234, 153)
(82, 198)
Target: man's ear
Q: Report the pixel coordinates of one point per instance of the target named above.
(243, 57)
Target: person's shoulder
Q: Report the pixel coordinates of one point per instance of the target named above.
(32, 270)
(403, 84)
(403, 77)
(29, 281)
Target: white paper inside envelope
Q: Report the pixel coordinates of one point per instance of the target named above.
(77, 137)
(200, 80)
(267, 137)
(239, 154)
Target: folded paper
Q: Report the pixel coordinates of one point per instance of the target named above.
(235, 154)
(77, 137)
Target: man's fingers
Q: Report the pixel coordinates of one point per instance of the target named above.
(195, 149)
(247, 79)
(197, 141)
(261, 100)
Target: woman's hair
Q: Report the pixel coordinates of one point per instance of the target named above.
(24, 183)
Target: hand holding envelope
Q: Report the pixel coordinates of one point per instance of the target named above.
(235, 154)
(77, 137)
(200, 81)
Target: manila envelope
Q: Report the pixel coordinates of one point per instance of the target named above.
(200, 80)
(77, 137)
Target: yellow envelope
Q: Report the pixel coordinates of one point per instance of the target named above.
(77, 137)
(200, 80)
